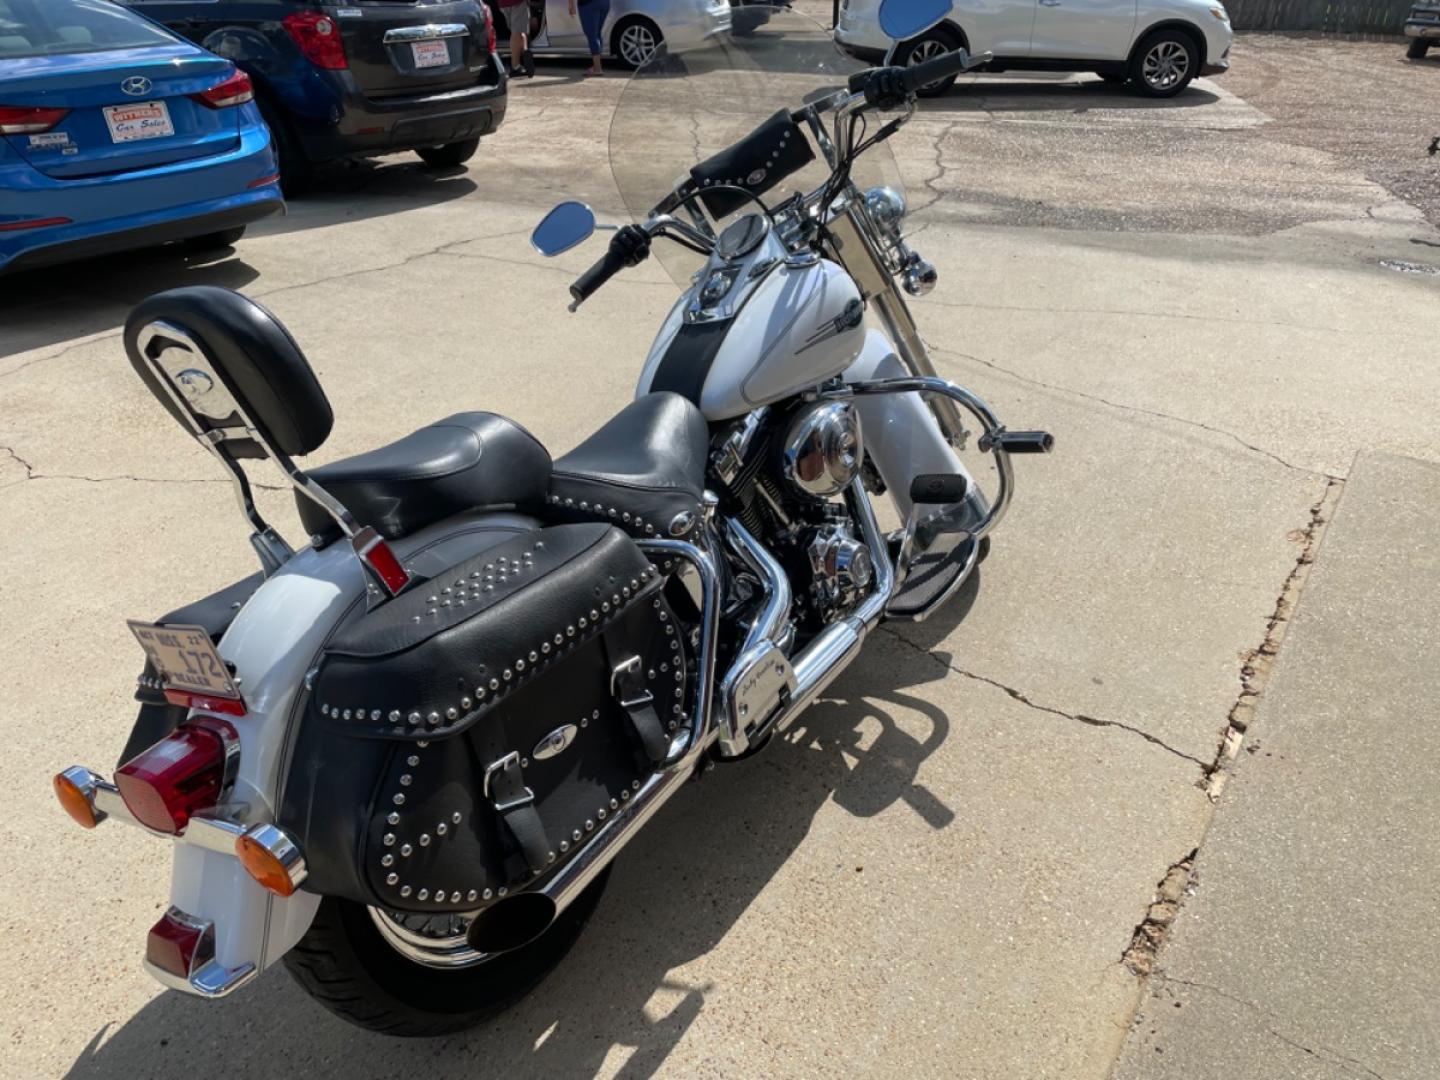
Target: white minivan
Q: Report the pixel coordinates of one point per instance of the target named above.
(1157, 46)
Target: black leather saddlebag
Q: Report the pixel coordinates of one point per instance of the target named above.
(469, 736)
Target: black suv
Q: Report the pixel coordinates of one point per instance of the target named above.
(359, 79)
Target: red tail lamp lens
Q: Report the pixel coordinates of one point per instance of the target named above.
(177, 941)
(29, 120)
(489, 29)
(235, 90)
(318, 38)
(176, 778)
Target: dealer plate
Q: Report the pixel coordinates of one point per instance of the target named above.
(185, 659)
(142, 120)
(430, 54)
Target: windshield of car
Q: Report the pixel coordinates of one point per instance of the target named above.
(45, 27)
(681, 109)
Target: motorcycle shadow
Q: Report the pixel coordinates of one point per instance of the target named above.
(616, 1004)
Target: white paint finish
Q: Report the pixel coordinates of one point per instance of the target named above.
(1089, 29)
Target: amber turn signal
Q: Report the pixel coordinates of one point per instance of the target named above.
(74, 801)
(271, 858)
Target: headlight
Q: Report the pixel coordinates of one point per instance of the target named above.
(1221, 14)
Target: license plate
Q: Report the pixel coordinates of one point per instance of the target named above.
(429, 54)
(185, 658)
(143, 120)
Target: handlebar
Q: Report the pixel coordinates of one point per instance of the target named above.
(934, 70)
(628, 247)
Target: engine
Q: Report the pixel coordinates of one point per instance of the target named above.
(786, 472)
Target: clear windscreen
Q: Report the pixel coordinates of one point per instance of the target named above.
(682, 109)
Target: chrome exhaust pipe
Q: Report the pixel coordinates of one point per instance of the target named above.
(521, 918)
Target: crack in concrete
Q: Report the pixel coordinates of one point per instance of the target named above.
(1318, 1051)
(32, 474)
(1135, 409)
(1260, 661)
(1016, 695)
(1150, 932)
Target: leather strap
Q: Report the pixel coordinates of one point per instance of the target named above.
(627, 686)
(515, 803)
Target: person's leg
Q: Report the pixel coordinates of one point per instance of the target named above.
(519, 19)
(592, 19)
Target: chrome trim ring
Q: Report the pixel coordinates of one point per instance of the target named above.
(1166, 64)
(432, 941)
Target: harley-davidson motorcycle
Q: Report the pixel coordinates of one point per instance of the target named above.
(403, 758)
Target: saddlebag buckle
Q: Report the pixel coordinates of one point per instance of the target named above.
(627, 684)
(506, 797)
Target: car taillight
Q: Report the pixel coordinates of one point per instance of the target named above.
(176, 778)
(235, 90)
(318, 38)
(489, 29)
(25, 120)
(33, 223)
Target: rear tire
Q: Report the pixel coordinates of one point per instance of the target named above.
(1164, 62)
(225, 238)
(348, 966)
(297, 172)
(927, 46)
(1417, 48)
(450, 155)
(635, 40)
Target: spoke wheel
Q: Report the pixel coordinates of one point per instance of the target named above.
(433, 941)
(1166, 65)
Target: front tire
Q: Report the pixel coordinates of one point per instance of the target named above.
(449, 156)
(927, 46)
(1164, 63)
(635, 41)
(362, 975)
(1417, 48)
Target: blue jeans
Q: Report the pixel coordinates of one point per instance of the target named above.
(593, 14)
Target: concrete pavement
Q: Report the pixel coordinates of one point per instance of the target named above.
(939, 872)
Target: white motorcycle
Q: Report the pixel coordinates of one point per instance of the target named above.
(404, 757)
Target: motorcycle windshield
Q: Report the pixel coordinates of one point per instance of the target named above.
(682, 109)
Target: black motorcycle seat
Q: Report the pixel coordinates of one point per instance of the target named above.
(469, 461)
(643, 471)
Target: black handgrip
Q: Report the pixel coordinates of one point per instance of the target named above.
(931, 489)
(588, 283)
(1024, 442)
(932, 71)
(628, 247)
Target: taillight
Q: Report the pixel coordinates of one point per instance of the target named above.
(181, 775)
(179, 944)
(25, 120)
(318, 38)
(489, 29)
(33, 223)
(235, 90)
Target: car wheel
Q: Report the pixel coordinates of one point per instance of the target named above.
(297, 172)
(1164, 63)
(635, 41)
(934, 43)
(1417, 49)
(216, 240)
(450, 155)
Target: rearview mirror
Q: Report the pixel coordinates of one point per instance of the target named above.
(902, 19)
(569, 224)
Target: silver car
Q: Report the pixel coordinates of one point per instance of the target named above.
(634, 30)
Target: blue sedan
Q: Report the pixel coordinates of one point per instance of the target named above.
(117, 134)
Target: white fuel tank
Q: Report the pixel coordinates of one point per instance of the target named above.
(800, 325)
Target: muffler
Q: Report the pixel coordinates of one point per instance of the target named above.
(515, 921)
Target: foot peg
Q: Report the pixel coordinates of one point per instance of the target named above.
(931, 489)
(1019, 442)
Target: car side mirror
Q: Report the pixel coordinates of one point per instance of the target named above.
(902, 19)
(569, 224)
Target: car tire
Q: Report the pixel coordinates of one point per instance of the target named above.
(297, 172)
(214, 241)
(927, 46)
(1164, 62)
(449, 155)
(1417, 48)
(347, 964)
(634, 41)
